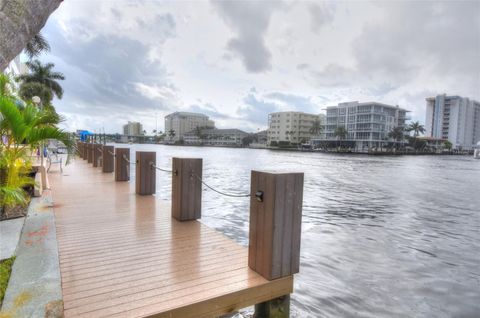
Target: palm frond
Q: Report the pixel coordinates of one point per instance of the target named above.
(37, 45)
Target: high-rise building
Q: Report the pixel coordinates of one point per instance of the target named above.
(367, 124)
(179, 123)
(454, 118)
(133, 128)
(292, 127)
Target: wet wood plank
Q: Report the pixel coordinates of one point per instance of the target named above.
(123, 255)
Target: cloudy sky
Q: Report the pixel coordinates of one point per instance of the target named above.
(237, 61)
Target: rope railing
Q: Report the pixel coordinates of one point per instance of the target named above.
(111, 153)
(100, 150)
(233, 195)
(128, 161)
(161, 169)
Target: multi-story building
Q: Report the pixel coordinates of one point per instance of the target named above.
(179, 123)
(215, 137)
(454, 118)
(292, 127)
(133, 128)
(367, 124)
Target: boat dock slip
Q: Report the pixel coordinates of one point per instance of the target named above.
(123, 255)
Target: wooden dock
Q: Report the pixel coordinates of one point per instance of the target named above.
(123, 255)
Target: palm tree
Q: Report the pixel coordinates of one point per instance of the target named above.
(36, 46)
(171, 133)
(396, 134)
(43, 74)
(341, 133)
(316, 128)
(22, 130)
(417, 128)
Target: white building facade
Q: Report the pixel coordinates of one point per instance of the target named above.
(179, 123)
(454, 118)
(215, 137)
(367, 124)
(133, 128)
(292, 127)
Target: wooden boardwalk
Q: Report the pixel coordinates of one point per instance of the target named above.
(122, 255)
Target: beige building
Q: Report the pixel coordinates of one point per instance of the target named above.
(293, 127)
(133, 128)
(179, 123)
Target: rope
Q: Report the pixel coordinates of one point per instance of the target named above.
(158, 168)
(220, 192)
(111, 153)
(100, 150)
(128, 161)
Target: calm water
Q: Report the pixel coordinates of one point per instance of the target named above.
(381, 236)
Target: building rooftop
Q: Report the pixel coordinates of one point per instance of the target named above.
(356, 103)
(187, 114)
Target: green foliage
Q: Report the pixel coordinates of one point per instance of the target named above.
(43, 74)
(36, 46)
(396, 134)
(417, 128)
(30, 89)
(5, 271)
(447, 145)
(341, 132)
(316, 128)
(273, 143)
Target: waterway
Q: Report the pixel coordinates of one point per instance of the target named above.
(381, 236)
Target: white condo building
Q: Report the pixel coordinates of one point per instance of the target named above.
(454, 118)
(179, 123)
(133, 128)
(293, 127)
(367, 124)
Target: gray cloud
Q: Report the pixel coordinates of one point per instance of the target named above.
(256, 110)
(209, 110)
(104, 72)
(320, 14)
(296, 102)
(250, 21)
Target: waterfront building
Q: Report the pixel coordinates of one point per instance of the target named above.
(290, 127)
(454, 118)
(215, 137)
(367, 124)
(178, 124)
(133, 128)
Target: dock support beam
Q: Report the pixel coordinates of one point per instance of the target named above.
(90, 153)
(96, 154)
(275, 308)
(186, 189)
(108, 157)
(145, 172)
(121, 165)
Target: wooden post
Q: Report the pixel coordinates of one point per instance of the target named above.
(145, 173)
(85, 151)
(186, 189)
(108, 157)
(275, 308)
(275, 223)
(90, 153)
(121, 165)
(96, 154)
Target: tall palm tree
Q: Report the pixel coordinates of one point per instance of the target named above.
(36, 46)
(43, 74)
(316, 128)
(397, 134)
(417, 128)
(341, 132)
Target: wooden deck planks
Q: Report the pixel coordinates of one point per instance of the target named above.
(122, 255)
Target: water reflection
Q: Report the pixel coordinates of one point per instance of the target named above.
(381, 236)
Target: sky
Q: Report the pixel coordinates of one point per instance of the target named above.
(238, 61)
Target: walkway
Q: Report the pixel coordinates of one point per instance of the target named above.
(122, 255)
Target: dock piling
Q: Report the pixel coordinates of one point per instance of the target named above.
(96, 154)
(108, 158)
(121, 165)
(145, 172)
(186, 189)
(90, 153)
